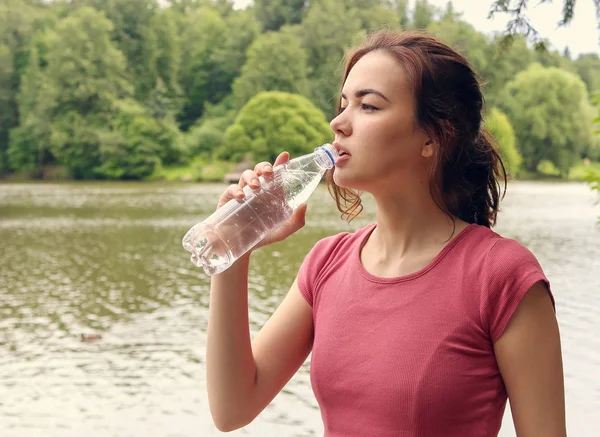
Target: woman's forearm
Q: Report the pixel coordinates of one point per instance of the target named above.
(230, 365)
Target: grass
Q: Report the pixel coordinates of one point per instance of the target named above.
(581, 172)
(546, 171)
(199, 170)
(205, 170)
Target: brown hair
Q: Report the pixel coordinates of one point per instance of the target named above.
(449, 103)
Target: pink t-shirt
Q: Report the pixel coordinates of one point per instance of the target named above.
(413, 356)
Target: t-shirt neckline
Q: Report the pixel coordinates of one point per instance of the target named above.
(447, 248)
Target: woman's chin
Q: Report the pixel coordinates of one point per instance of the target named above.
(344, 180)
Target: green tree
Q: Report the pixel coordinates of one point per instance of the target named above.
(373, 14)
(231, 56)
(83, 80)
(276, 62)
(450, 13)
(204, 38)
(7, 112)
(596, 101)
(328, 31)
(463, 37)
(204, 139)
(185, 6)
(28, 149)
(423, 14)
(134, 33)
(553, 58)
(19, 20)
(593, 151)
(272, 122)
(135, 144)
(550, 112)
(519, 23)
(499, 126)
(588, 67)
(503, 63)
(272, 14)
(593, 178)
(168, 51)
(402, 13)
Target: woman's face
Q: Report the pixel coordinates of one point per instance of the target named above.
(378, 129)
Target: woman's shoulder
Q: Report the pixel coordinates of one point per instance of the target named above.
(498, 249)
(341, 240)
(332, 252)
(509, 269)
(483, 241)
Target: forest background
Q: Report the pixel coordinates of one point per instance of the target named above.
(193, 89)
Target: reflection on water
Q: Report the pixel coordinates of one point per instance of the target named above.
(107, 258)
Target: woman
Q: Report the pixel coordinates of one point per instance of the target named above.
(423, 323)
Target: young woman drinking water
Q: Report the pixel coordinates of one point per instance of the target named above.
(424, 322)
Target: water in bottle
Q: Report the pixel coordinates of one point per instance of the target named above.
(240, 224)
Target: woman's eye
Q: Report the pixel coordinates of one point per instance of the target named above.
(364, 106)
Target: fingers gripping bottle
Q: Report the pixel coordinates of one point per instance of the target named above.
(240, 224)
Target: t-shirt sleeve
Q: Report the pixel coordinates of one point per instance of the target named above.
(314, 264)
(510, 271)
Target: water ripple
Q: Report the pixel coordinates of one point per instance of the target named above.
(105, 258)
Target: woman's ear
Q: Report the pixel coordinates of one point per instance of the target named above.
(428, 149)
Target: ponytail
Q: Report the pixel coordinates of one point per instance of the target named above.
(471, 186)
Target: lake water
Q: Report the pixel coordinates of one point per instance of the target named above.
(106, 258)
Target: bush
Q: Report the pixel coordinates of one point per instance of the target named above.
(499, 126)
(134, 145)
(551, 114)
(212, 171)
(204, 139)
(272, 122)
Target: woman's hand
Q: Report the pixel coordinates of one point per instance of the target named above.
(250, 178)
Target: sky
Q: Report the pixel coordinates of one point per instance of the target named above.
(581, 36)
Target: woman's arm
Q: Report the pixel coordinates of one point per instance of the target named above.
(243, 377)
(530, 361)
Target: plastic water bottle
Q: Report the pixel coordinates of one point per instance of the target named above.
(240, 224)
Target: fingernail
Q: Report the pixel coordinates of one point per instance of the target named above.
(240, 193)
(255, 181)
(267, 167)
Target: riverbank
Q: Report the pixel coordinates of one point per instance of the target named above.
(201, 170)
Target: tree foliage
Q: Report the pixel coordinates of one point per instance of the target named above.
(551, 115)
(588, 67)
(276, 62)
(274, 121)
(134, 35)
(19, 22)
(119, 88)
(273, 14)
(519, 23)
(463, 38)
(423, 14)
(499, 126)
(328, 31)
(212, 57)
(83, 80)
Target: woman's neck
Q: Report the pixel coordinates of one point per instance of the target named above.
(411, 225)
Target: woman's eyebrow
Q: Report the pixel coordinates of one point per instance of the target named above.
(362, 93)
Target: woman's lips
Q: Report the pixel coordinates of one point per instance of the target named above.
(343, 154)
(342, 158)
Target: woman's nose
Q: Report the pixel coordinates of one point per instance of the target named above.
(340, 124)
